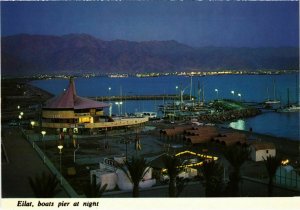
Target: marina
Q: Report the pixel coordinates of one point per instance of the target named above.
(149, 99)
(122, 89)
(197, 128)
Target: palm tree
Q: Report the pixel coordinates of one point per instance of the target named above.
(272, 163)
(212, 173)
(172, 164)
(135, 170)
(93, 190)
(44, 185)
(236, 156)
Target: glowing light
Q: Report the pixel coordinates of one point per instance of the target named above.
(285, 162)
(240, 125)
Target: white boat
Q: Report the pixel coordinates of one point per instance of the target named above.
(150, 115)
(292, 108)
(274, 101)
(289, 107)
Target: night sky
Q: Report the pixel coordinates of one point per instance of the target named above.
(234, 24)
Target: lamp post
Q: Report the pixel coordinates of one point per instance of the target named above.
(232, 92)
(32, 124)
(240, 95)
(75, 152)
(109, 88)
(110, 105)
(121, 107)
(18, 107)
(193, 102)
(176, 91)
(21, 113)
(44, 148)
(119, 104)
(60, 147)
(217, 91)
(20, 117)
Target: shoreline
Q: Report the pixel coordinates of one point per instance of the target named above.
(150, 75)
(285, 145)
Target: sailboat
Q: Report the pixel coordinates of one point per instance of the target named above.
(274, 101)
(290, 107)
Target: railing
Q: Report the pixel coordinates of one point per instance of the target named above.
(117, 123)
(289, 179)
(57, 125)
(64, 183)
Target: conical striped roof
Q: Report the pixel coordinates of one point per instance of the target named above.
(69, 100)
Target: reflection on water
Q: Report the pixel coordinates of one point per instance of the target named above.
(271, 123)
(239, 125)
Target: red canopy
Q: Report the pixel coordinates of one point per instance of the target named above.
(69, 100)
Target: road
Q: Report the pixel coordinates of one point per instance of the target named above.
(23, 162)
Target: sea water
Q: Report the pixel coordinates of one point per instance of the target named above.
(251, 88)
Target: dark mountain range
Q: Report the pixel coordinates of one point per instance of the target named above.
(80, 53)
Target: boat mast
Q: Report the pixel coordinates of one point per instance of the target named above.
(191, 88)
(199, 92)
(274, 89)
(203, 93)
(297, 92)
(121, 99)
(288, 97)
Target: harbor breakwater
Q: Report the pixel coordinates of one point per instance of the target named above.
(220, 117)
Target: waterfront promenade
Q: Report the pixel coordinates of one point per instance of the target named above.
(23, 162)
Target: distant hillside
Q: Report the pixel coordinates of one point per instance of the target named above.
(80, 53)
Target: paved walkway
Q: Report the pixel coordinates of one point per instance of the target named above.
(23, 162)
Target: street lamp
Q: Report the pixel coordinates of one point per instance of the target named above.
(20, 117)
(232, 92)
(240, 95)
(75, 152)
(193, 101)
(119, 104)
(176, 92)
(32, 124)
(44, 150)
(110, 105)
(109, 88)
(21, 113)
(18, 107)
(60, 147)
(217, 91)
